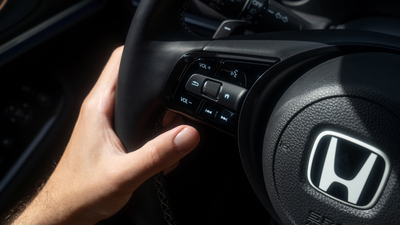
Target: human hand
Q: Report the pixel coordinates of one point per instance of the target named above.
(95, 176)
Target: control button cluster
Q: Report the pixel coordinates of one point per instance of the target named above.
(221, 92)
(213, 89)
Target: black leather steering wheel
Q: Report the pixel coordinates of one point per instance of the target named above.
(316, 114)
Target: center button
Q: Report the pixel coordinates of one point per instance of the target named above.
(211, 88)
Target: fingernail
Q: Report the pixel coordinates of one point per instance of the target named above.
(186, 140)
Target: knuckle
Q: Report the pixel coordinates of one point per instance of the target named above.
(87, 106)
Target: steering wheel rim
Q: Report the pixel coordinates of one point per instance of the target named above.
(155, 35)
(158, 36)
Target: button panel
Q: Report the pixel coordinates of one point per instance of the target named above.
(224, 93)
(213, 89)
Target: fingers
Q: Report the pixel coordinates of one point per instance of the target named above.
(110, 72)
(170, 120)
(101, 98)
(163, 151)
(107, 83)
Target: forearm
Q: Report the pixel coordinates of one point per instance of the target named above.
(50, 207)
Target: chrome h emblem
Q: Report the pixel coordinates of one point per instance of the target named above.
(347, 169)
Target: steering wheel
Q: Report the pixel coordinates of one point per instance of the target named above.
(315, 113)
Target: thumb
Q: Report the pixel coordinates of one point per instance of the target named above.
(163, 151)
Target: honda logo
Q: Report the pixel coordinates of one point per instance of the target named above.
(347, 170)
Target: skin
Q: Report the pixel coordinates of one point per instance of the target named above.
(95, 177)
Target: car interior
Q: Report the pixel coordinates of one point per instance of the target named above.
(297, 103)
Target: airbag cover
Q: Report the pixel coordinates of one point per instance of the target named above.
(356, 97)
